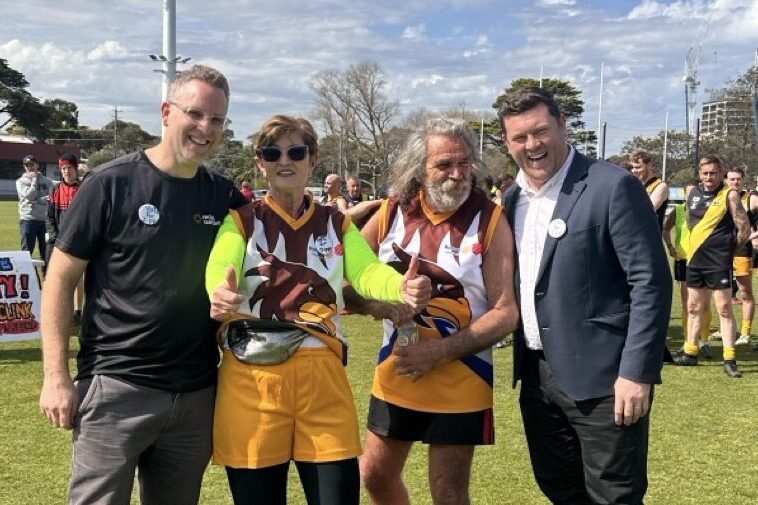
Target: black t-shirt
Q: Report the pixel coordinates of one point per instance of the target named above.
(147, 237)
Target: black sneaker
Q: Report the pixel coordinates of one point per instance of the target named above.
(685, 359)
(730, 368)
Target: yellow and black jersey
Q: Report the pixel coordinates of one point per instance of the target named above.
(712, 230)
(650, 186)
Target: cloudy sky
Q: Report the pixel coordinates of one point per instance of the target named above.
(436, 53)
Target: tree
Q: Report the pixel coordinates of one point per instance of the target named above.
(64, 119)
(678, 161)
(233, 159)
(19, 105)
(100, 156)
(352, 105)
(127, 137)
(570, 100)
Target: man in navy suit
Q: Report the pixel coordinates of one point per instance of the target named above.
(595, 295)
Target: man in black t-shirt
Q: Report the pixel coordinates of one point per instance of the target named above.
(142, 226)
(354, 195)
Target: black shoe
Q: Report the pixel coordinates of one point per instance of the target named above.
(76, 319)
(685, 359)
(706, 352)
(730, 368)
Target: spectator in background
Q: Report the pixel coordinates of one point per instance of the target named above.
(58, 203)
(658, 191)
(743, 257)
(333, 196)
(354, 195)
(33, 188)
(247, 191)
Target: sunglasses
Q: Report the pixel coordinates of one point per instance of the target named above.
(273, 153)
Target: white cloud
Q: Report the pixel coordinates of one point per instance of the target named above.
(106, 50)
(675, 11)
(554, 3)
(436, 53)
(414, 32)
(426, 81)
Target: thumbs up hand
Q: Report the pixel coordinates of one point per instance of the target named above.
(225, 300)
(416, 289)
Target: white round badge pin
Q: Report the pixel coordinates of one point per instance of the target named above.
(556, 228)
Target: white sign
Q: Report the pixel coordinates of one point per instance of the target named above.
(19, 297)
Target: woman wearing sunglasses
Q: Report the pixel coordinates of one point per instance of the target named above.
(275, 279)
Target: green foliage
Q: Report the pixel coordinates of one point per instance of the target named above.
(19, 105)
(679, 161)
(567, 96)
(570, 100)
(128, 137)
(101, 156)
(64, 119)
(233, 159)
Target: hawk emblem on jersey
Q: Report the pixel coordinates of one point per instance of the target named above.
(448, 310)
(293, 292)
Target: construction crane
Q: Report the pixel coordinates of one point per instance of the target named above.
(691, 82)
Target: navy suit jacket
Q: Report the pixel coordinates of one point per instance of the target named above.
(603, 291)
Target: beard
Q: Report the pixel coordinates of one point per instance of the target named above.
(447, 195)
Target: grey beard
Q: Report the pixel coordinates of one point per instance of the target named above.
(447, 196)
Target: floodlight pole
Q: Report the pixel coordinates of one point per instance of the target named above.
(169, 46)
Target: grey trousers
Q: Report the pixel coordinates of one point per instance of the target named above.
(120, 427)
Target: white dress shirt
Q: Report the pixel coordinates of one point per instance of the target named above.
(534, 210)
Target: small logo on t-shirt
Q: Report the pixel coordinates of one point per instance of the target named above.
(148, 214)
(206, 219)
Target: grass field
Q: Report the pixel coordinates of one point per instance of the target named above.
(702, 451)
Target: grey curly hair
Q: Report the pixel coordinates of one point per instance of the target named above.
(408, 170)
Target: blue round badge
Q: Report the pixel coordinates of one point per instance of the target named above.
(148, 214)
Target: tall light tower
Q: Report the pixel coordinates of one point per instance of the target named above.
(169, 59)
